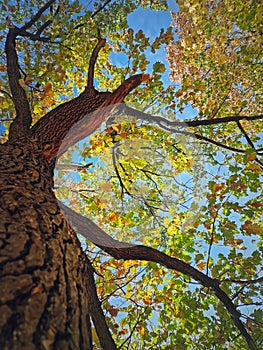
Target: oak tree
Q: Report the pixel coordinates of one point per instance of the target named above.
(171, 208)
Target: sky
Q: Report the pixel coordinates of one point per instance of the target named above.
(150, 22)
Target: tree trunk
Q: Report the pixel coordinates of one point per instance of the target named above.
(43, 271)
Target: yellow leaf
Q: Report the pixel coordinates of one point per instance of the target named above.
(147, 300)
(251, 156)
(201, 265)
(106, 187)
(255, 168)
(113, 217)
(217, 187)
(21, 82)
(141, 329)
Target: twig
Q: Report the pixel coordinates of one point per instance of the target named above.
(123, 187)
(94, 13)
(100, 8)
(7, 93)
(245, 134)
(37, 16)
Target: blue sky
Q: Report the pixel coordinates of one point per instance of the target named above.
(151, 21)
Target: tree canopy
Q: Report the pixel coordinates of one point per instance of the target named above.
(170, 205)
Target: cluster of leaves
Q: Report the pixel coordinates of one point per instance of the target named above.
(217, 58)
(145, 202)
(140, 175)
(72, 35)
(132, 194)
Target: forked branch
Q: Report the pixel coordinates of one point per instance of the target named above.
(36, 17)
(23, 119)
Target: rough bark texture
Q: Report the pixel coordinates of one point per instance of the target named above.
(43, 271)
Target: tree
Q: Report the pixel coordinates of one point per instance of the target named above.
(49, 296)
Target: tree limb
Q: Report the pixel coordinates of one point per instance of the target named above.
(160, 121)
(37, 15)
(126, 251)
(101, 43)
(100, 8)
(170, 126)
(23, 119)
(96, 313)
(91, 121)
(94, 13)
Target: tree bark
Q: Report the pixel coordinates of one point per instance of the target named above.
(44, 274)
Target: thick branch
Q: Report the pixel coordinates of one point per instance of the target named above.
(101, 43)
(91, 121)
(97, 315)
(126, 251)
(34, 37)
(89, 230)
(160, 121)
(86, 113)
(22, 122)
(170, 126)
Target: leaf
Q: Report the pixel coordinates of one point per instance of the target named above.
(255, 168)
(106, 187)
(217, 187)
(251, 156)
(158, 67)
(201, 266)
(252, 228)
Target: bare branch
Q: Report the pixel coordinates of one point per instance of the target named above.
(245, 134)
(43, 27)
(23, 119)
(73, 167)
(249, 141)
(94, 13)
(123, 187)
(203, 138)
(258, 280)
